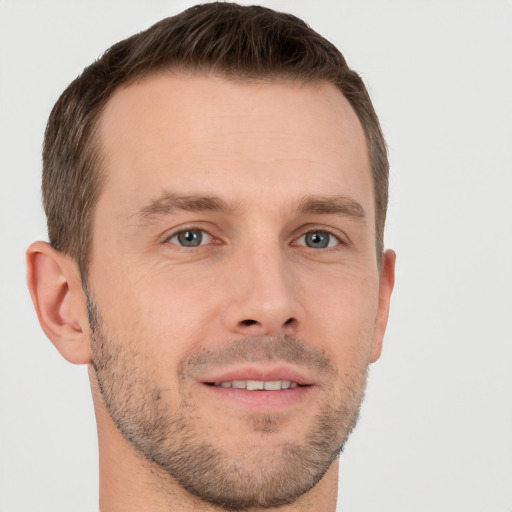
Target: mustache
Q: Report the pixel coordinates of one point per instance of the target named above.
(255, 349)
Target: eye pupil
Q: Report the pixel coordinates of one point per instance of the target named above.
(317, 239)
(190, 238)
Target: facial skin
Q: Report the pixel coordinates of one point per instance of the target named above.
(268, 186)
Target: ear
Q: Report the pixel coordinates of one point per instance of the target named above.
(55, 287)
(386, 284)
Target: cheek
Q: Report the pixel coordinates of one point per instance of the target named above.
(160, 314)
(343, 316)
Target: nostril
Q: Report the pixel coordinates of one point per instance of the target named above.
(289, 321)
(249, 322)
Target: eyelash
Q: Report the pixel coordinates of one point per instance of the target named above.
(203, 232)
(210, 238)
(323, 231)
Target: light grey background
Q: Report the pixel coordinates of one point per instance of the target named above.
(435, 432)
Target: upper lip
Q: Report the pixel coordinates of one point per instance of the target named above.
(259, 374)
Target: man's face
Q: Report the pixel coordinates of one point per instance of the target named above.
(234, 250)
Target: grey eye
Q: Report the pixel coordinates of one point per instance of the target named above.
(190, 238)
(318, 240)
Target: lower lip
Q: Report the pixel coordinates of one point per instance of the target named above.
(260, 399)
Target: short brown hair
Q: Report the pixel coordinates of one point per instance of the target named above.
(234, 41)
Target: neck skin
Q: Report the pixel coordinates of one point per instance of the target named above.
(129, 483)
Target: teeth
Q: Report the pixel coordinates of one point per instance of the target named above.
(258, 385)
(254, 385)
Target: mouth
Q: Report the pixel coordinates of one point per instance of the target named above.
(257, 388)
(256, 385)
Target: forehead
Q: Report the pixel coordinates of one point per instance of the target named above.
(196, 134)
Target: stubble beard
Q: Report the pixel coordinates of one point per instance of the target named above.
(166, 435)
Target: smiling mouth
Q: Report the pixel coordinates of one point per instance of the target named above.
(257, 385)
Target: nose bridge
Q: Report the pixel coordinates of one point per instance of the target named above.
(269, 280)
(264, 302)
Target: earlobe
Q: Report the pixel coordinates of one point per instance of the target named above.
(54, 284)
(386, 284)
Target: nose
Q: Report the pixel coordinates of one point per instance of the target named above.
(263, 299)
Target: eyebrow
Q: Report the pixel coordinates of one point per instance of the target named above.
(332, 205)
(170, 203)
